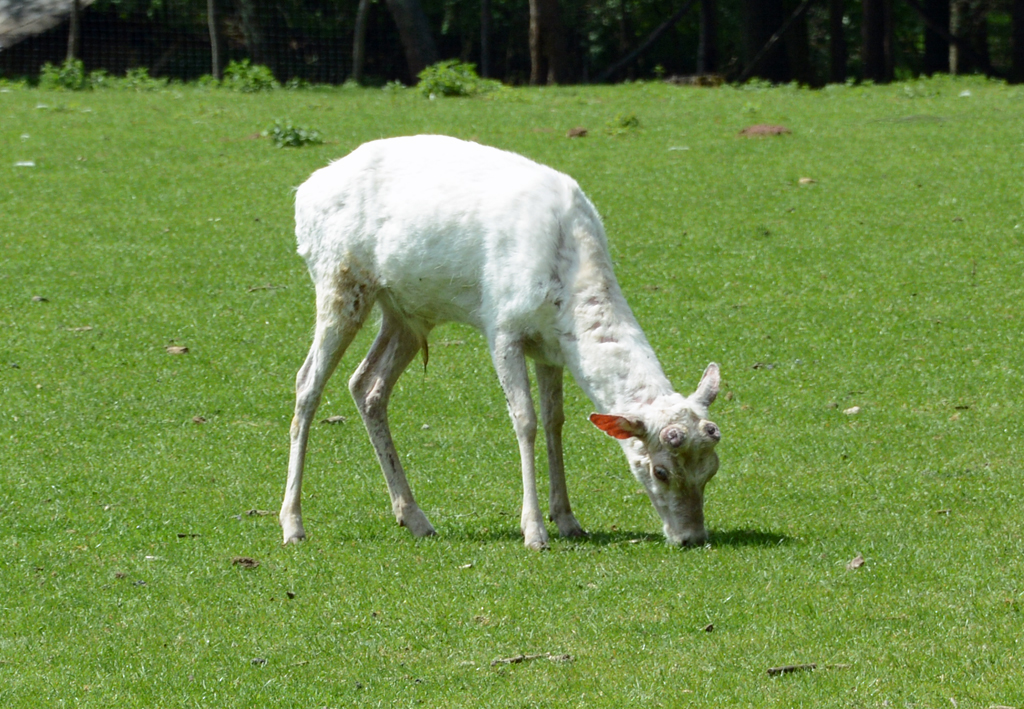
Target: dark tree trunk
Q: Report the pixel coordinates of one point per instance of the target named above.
(485, 38)
(211, 19)
(707, 49)
(1017, 42)
(252, 30)
(876, 32)
(936, 48)
(836, 42)
(647, 43)
(762, 18)
(624, 35)
(359, 41)
(418, 42)
(74, 30)
(548, 58)
(970, 23)
(798, 48)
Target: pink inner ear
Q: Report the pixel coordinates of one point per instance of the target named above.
(616, 426)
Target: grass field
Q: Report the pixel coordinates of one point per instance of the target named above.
(892, 282)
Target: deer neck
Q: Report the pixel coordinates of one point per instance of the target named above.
(608, 353)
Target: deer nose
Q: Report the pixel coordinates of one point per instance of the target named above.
(711, 430)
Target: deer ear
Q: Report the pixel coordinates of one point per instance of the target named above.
(619, 426)
(707, 390)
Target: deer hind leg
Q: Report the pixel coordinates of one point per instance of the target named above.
(395, 347)
(510, 364)
(549, 387)
(342, 307)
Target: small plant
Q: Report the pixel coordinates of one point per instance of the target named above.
(99, 79)
(296, 83)
(454, 78)
(248, 78)
(140, 80)
(623, 123)
(69, 76)
(7, 85)
(755, 84)
(285, 135)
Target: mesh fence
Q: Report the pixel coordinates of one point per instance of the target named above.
(312, 40)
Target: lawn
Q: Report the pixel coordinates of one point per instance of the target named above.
(860, 280)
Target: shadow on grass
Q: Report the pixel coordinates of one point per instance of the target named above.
(747, 538)
(602, 538)
(593, 538)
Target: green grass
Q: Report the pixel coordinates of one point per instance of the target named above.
(894, 282)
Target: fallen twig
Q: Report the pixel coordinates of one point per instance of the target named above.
(786, 669)
(527, 658)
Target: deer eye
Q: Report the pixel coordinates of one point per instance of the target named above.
(661, 473)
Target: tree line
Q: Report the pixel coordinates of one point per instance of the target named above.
(812, 42)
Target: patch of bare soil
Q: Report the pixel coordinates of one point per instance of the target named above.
(762, 129)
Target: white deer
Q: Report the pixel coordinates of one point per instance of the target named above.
(435, 229)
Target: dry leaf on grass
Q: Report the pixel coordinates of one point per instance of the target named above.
(176, 349)
(245, 562)
(577, 132)
(852, 411)
(334, 419)
(763, 129)
(855, 563)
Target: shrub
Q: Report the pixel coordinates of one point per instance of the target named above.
(285, 135)
(248, 78)
(68, 76)
(454, 78)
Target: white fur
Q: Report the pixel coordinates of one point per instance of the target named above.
(436, 229)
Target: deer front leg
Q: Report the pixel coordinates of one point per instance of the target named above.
(549, 386)
(395, 347)
(510, 364)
